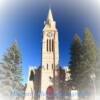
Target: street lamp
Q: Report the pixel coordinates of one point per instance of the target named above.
(93, 76)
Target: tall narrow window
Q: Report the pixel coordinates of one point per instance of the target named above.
(47, 44)
(52, 44)
(52, 66)
(47, 66)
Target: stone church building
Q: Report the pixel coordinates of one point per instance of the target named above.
(47, 81)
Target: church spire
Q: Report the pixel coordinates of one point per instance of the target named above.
(49, 23)
(50, 17)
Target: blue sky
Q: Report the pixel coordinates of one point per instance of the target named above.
(23, 20)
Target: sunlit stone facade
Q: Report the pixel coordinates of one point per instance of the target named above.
(47, 82)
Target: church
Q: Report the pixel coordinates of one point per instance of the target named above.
(47, 82)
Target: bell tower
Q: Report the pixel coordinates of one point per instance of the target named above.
(50, 54)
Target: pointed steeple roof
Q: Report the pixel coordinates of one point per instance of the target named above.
(49, 23)
(50, 17)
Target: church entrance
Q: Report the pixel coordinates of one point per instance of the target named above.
(50, 93)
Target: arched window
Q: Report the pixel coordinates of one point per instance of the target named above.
(32, 76)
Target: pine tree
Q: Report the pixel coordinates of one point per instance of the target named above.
(88, 60)
(75, 59)
(11, 73)
(98, 73)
